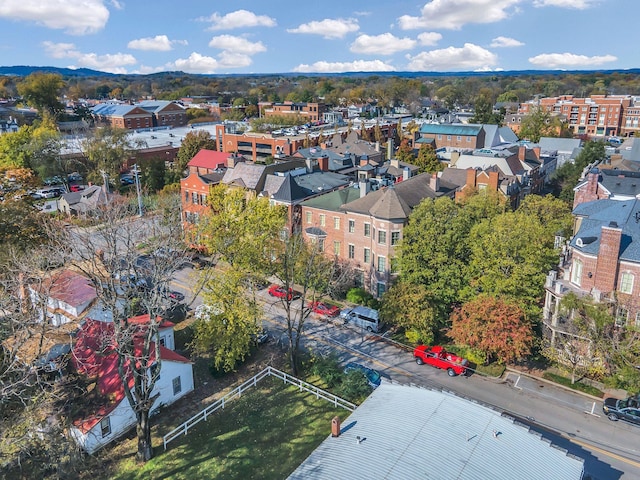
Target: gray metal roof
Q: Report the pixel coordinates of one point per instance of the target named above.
(450, 129)
(560, 145)
(409, 432)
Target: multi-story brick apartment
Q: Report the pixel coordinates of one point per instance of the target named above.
(462, 137)
(312, 112)
(596, 116)
(602, 261)
(364, 228)
(165, 113)
(256, 146)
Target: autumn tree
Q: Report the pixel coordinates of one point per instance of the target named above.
(409, 307)
(495, 327)
(539, 123)
(427, 160)
(107, 150)
(42, 91)
(405, 152)
(193, 142)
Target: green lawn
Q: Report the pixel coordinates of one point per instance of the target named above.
(265, 434)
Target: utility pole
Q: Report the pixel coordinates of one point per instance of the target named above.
(136, 172)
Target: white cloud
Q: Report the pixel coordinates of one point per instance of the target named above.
(429, 38)
(238, 19)
(239, 45)
(561, 60)
(328, 28)
(574, 4)
(453, 14)
(113, 63)
(77, 17)
(233, 60)
(196, 63)
(505, 42)
(339, 67)
(159, 43)
(385, 44)
(469, 57)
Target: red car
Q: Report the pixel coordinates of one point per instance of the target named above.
(76, 188)
(324, 309)
(438, 357)
(280, 292)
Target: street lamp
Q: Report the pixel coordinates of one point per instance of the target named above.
(136, 172)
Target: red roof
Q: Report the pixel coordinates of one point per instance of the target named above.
(145, 319)
(70, 287)
(209, 159)
(94, 355)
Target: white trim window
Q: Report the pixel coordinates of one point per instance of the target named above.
(626, 282)
(105, 427)
(576, 272)
(177, 385)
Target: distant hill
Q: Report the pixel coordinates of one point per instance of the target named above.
(24, 70)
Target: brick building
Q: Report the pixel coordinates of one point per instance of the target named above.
(255, 146)
(596, 116)
(312, 112)
(607, 184)
(144, 115)
(365, 227)
(462, 137)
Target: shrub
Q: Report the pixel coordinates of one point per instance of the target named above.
(362, 297)
(327, 369)
(354, 387)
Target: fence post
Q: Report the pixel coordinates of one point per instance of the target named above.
(222, 402)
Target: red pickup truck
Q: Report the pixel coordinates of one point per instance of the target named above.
(438, 357)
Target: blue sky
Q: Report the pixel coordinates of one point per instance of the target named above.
(258, 36)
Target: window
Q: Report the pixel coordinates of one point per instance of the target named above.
(105, 426)
(203, 199)
(352, 226)
(336, 248)
(367, 255)
(395, 238)
(576, 272)
(380, 289)
(448, 137)
(622, 315)
(194, 198)
(308, 215)
(321, 244)
(177, 386)
(336, 223)
(322, 220)
(394, 265)
(382, 264)
(626, 282)
(186, 196)
(367, 229)
(382, 237)
(458, 138)
(352, 251)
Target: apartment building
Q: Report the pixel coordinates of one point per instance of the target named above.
(312, 112)
(466, 137)
(255, 146)
(364, 228)
(595, 116)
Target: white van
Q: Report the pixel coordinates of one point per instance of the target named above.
(363, 317)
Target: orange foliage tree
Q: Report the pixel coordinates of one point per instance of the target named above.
(493, 326)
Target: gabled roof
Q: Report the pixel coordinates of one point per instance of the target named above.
(619, 183)
(560, 145)
(450, 129)
(156, 106)
(397, 204)
(209, 159)
(332, 201)
(113, 110)
(290, 191)
(70, 287)
(94, 355)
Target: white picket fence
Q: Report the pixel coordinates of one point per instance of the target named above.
(252, 382)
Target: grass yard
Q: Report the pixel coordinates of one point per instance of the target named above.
(265, 434)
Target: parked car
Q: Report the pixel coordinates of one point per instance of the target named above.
(373, 376)
(175, 295)
(362, 317)
(628, 409)
(280, 292)
(261, 337)
(323, 309)
(438, 357)
(76, 188)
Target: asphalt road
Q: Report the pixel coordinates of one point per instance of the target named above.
(611, 450)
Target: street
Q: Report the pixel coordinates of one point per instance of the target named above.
(611, 450)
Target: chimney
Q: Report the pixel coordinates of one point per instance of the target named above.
(471, 178)
(377, 146)
(522, 152)
(608, 255)
(324, 163)
(364, 161)
(365, 187)
(234, 159)
(536, 152)
(395, 163)
(454, 158)
(406, 173)
(335, 426)
(309, 162)
(434, 182)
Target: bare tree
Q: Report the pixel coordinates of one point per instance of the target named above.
(130, 261)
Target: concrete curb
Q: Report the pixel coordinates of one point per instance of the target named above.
(549, 382)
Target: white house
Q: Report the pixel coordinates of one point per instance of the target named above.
(95, 356)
